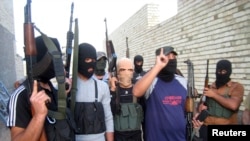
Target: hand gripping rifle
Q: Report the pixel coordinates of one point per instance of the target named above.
(203, 98)
(69, 42)
(30, 52)
(190, 100)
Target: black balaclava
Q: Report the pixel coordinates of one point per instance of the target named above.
(86, 51)
(167, 73)
(138, 68)
(41, 52)
(222, 79)
(100, 66)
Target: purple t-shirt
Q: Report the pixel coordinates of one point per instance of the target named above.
(165, 112)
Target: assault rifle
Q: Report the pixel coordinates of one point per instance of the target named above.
(112, 66)
(110, 53)
(30, 52)
(69, 42)
(29, 44)
(190, 100)
(127, 51)
(203, 98)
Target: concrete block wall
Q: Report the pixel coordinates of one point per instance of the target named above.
(133, 28)
(201, 30)
(7, 44)
(7, 54)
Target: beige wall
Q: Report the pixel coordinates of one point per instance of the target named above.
(201, 30)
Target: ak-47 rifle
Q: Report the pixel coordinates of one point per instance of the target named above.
(29, 44)
(112, 67)
(69, 42)
(30, 52)
(190, 100)
(203, 98)
(204, 113)
(110, 53)
(127, 51)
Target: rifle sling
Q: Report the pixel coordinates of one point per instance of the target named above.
(59, 71)
(41, 66)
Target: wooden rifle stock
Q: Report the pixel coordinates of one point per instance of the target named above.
(29, 43)
(30, 53)
(69, 43)
(189, 105)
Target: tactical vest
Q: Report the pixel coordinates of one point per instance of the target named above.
(217, 110)
(89, 116)
(130, 114)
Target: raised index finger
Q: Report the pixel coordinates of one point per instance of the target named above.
(161, 53)
(35, 87)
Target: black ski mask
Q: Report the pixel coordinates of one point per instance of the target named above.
(86, 51)
(167, 73)
(100, 67)
(100, 63)
(138, 68)
(222, 79)
(46, 71)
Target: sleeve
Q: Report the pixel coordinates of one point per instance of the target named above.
(107, 109)
(150, 89)
(19, 109)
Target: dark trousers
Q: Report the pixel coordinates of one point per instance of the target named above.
(128, 136)
(203, 132)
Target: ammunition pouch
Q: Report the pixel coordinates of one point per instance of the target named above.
(90, 117)
(130, 117)
(62, 129)
(215, 109)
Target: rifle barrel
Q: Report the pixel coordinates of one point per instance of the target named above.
(69, 42)
(203, 98)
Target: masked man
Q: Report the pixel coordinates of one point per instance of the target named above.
(165, 94)
(28, 113)
(138, 72)
(100, 72)
(223, 100)
(93, 115)
(125, 106)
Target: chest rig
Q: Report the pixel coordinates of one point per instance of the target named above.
(129, 115)
(216, 109)
(89, 116)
